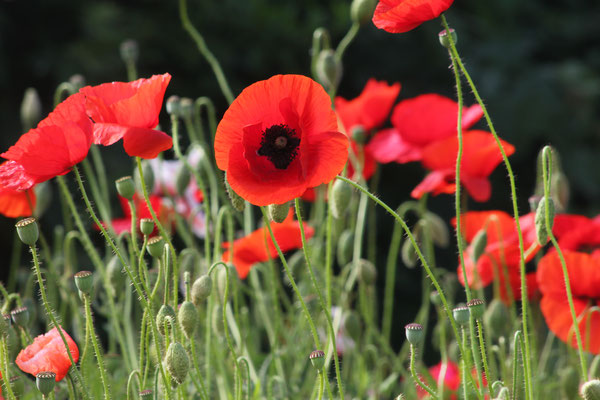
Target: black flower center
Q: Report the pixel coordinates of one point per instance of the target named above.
(280, 145)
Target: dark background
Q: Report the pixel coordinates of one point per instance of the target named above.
(536, 63)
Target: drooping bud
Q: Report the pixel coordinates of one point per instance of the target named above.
(146, 226)
(173, 105)
(77, 81)
(114, 270)
(236, 201)
(414, 333)
(177, 362)
(461, 315)
(345, 247)
(358, 134)
(540, 220)
(182, 179)
(31, 109)
(278, 212)
(28, 231)
(367, 273)
(408, 254)
(125, 187)
(165, 314)
(188, 318)
(495, 318)
(201, 289)
(187, 107)
(84, 281)
(45, 382)
(435, 298)
(317, 359)
(591, 390)
(444, 40)
(217, 320)
(352, 324)
(329, 69)
(361, 11)
(4, 327)
(341, 193)
(156, 246)
(479, 244)
(438, 229)
(148, 177)
(130, 51)
(476, 308)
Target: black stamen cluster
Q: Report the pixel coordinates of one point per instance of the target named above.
(280, 152)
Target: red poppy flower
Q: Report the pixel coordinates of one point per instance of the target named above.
(480, 157)
(278, 138)
(501, 253)
(419, 122)
(371, 108)
(47, 353)
(163, 212)
(17, 203)
(397, 16)
(452, 380)
(584, 275)
(129, 111)
(576, 232)
(258, 246)
(59, 142)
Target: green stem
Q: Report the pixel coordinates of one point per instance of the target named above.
(486, 369)
(346, 40)
(99, 358)
(5, 369)
(416, 377)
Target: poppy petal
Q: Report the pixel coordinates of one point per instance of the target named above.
(146, 143)
(16, 203)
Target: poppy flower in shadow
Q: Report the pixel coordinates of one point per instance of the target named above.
(278, 138)
(397, 16)
(129, 111)
(47, 353)
(480, 157)
(60, 141)
(584, 275)
(258, 246)
(451, 379)
(419, 122)
(17, 203)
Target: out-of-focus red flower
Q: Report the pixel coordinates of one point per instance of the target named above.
(17, 203)
(163, 212)
(397, 16)
(501, 252)
(584, 275)
(47, 353)
(452, 380)
(577, 232)
(278, 138)
(258, 246)
(419, 122)
(60, 141)
(480, 157)
(129, 111)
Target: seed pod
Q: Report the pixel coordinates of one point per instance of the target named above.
(84, 280)
(17, 385)
(461, 315)
(236, 201)
(28, 231)
(188, 318)
(45, 382)
(476, 308)
(115, 273)
(201, 289)
(147, 394)
(444, 40)
(317, 359)
(414, 333)
(146, 226)
(359, 134)
(187, 107)
(166, 313)
(540, 220)
(156, 246)
(125, 187)
(177, 362)
(278, 212)
(341, 193)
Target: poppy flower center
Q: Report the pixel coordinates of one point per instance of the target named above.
(280, 145)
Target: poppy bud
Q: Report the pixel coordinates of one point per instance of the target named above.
(182, 179)
(20, 316)
(174, 105)
(188, 318)
(217, 320)
(361, 11)
(177, 362)
(569, 381)
(591, 390)
(560, 190)
(27, 230)
(45, 382)
(352, 324)
(479, 244)
(408, 254)
(496, 387)
(114, 270)
(444, 40)
(341, 194)
(147, 394)
(278, 212)
(317, 359)
(166, 313)
(461, 315)
(495, 317)
(156, 246)
(414, 333)
(146, 226)
(236, 201)
(130, 51)
(476, 308)
(438, 228)
(125, 187)
(4, 327)
(595, 367)
(359, 134)
(201, 289)
(329, 69)
(540, 220)
(77, 81)
(148, 177)
(367, 272)
(84, 281)
(31, 109)
(187, 107)
(345, 247)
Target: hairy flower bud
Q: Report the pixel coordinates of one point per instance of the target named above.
(408, 254)
(182, 179)
(31, 109)
(438, 229)
(201, 289)
(188, 318)
(341, 193)
(236, 201)
(166, 314)
(361, 11)
(591, 390)
(345, 247)
(540, 220)
(177, 362)
(329, 69)
(479, 244)
(278, 212)
(367, 273)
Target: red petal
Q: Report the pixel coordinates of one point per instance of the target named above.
(388, 145)
(396, 16)
(146, 143)
(16, 203)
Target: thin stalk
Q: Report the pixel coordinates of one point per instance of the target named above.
(99, 357)
(416, 378)
(483, 353)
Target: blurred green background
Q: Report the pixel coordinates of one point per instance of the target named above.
(536, 63)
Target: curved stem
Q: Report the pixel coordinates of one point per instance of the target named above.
(99, 358)
(416, 377)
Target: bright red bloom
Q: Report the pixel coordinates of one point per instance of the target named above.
(452, 380)
(371, 108)
(17, 203)
(397, 16)
(278, 138)
(480, 157)
(576, 232)
(258, 246)
(419, 122)
(163, 212)
(47, 353)
(129, 111)
(584, 276)
(59, 142)
(501, 252)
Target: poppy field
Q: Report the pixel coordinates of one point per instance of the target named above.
(257, 248)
